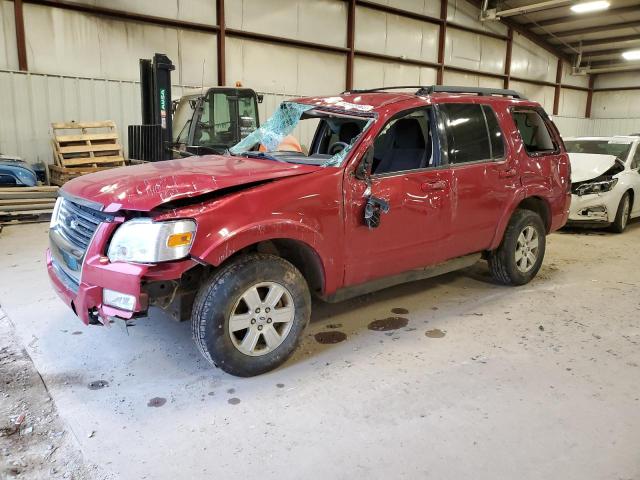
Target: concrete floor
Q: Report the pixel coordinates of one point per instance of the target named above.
(541, 381)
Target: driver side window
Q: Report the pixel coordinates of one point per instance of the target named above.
(404, 144)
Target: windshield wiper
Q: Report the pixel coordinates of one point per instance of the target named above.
(262, 155)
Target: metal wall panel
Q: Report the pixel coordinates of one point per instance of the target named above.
(615, 80)
(572, 103)
(379, 32)
(8, 48)
(286, 70)
(70, 43)
(470, 80)
(528, 60)
(319, 21)
(616, 104)
(374, 73)
(541, 94)
(423, 7)
(200, 11)
(473, 51)
(464, 13)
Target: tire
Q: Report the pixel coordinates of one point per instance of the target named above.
(228, 301)
(508, 268)
(622, 215)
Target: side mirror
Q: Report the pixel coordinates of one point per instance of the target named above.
(363, 170)
(260, 98)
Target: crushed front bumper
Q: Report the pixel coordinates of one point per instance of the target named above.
(85, 297)
(593, 209)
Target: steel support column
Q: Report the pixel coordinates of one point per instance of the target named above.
(222, 71)
(20, 38)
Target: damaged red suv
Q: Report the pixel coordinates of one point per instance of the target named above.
(392, 187)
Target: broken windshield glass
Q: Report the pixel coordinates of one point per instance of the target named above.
(335, 134)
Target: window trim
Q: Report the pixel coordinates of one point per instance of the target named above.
(435, 142)
(502, 136)
(545, 119)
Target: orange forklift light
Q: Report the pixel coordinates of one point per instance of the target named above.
(179, 239)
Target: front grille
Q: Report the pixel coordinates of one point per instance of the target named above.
(70, 282)
(78, 223)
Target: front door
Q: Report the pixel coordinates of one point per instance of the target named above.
(405, 174)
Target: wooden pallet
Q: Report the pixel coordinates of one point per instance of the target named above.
(83, 147)
(26, 204)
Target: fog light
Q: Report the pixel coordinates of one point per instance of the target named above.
(119, 300)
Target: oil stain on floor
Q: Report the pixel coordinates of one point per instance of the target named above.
(97, 384)
(389, 323)
(156, 402)
(234, 401)
(435, 333)
(327, 338)
(399, 311)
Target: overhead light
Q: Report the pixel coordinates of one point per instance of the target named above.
(590, 6)
(631, 55)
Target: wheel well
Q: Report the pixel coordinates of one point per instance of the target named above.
(539, 206)
(632, 195)
(299, 254)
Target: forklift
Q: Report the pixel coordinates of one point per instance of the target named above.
(200, 124)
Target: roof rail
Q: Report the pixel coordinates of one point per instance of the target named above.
(382, 89)
(429, 89)
(475, 90)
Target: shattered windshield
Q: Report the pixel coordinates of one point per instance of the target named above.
(617, 147)
(300, 133)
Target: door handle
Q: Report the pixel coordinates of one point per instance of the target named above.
(431, 186)
(512, 172)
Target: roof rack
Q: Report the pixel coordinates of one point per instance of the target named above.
(382, 89)
(430, 89)
(475, 90)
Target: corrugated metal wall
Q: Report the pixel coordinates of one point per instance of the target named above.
(85, 67)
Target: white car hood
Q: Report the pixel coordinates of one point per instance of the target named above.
(585, 166)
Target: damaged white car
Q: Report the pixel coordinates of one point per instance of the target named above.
(605, 181)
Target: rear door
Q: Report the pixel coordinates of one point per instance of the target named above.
(483, 174)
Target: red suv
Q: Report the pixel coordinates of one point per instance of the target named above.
(393, 187)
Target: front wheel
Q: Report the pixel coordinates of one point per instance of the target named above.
(622, 215)
(519, 257)
(249, 316)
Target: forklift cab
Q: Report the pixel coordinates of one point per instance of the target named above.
(213, 122)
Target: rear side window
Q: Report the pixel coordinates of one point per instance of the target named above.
(495, 134)
(534, 132)
(466, 133)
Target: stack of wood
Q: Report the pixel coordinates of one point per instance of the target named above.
(26, 204)
(83, 147)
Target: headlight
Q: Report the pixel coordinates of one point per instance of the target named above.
(144, 241)
(596, 187)
(54, 214)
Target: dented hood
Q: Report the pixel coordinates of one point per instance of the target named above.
(587, 166)
(144, 187)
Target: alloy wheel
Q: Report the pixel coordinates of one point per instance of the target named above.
(261, 318)
(527, 247)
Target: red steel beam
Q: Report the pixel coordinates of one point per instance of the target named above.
(507, 58)
(587, 110)
(222, 64)
(351, 29)
(558, 88)
(20, 38)
(442, 37)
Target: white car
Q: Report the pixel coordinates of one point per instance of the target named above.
(605, 180)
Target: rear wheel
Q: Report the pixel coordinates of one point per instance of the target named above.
(622, 215)
(519, 257)
(249, 316)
